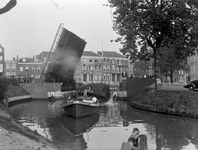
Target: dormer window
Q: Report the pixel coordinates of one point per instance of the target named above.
(23, 60)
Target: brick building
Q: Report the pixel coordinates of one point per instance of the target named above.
(10, 68)
(29, 69)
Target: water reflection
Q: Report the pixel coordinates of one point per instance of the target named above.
(108, 129)
(80, 125)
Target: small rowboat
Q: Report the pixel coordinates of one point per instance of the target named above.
(81, 106)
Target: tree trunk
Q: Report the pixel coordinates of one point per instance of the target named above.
(171, 76)
(155, 68)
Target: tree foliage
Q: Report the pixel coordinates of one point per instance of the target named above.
(169, 62)
(145, 26)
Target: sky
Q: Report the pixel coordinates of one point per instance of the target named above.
(30, 27)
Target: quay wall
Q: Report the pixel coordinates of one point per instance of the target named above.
(40, 90)
(134, 85)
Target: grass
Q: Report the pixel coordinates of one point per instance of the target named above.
(166, 100)
(16, 91)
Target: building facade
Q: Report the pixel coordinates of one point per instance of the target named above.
(106, 67)
(193, 66)
(10, 68)
(29, 69)
(2, 67)
(90, 68)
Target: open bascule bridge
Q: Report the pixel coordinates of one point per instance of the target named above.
(60, 66)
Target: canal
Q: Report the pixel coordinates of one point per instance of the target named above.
(107, 129)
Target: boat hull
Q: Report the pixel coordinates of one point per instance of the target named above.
(79, 109)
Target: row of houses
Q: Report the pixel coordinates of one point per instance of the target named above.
(106, 66)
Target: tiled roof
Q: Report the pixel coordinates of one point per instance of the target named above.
(90, 53)
(111, 54)
(26, 59)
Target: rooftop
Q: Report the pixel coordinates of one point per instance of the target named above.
(111, 54)
(90, 53)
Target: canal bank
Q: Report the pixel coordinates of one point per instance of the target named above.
(170, 99)
(13, 135)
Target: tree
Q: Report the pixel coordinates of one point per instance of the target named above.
(145, 26)
(169, 62)
(8, 6)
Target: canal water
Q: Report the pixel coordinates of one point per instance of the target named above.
(107, 129)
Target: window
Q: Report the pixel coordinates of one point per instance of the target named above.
(21, 68)
(104, 76)
(107, 60)
(113, 68)
(90, 60)
(1, 58)
(108, 76)
(96, 67)
(91, 68)
(26, 67)
(108, 68)
(99, 77)
(23, 60)
(14, 73)
(118, 61)
(84, 60)
(37, 76)
(95, 77)
(104, 68)
(38, 68)
(7, 65)
(33, 68)
(7, 73)
(113, 61)
(96, 60)
(84, 67)
(45, 59)
(13, 66)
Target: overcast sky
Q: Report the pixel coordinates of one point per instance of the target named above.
(30, 27)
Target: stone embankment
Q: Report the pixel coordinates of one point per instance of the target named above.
(14, 136)
(40, 90)
(170, 99)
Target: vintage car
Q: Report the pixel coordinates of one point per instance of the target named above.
(192, 85)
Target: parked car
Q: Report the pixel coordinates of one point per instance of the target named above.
(193, 85)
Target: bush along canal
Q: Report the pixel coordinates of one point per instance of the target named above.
(180, 103)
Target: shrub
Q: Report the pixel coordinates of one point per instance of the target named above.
(180, 101)
(3, 88)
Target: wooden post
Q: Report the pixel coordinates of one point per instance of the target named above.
(6, 102)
